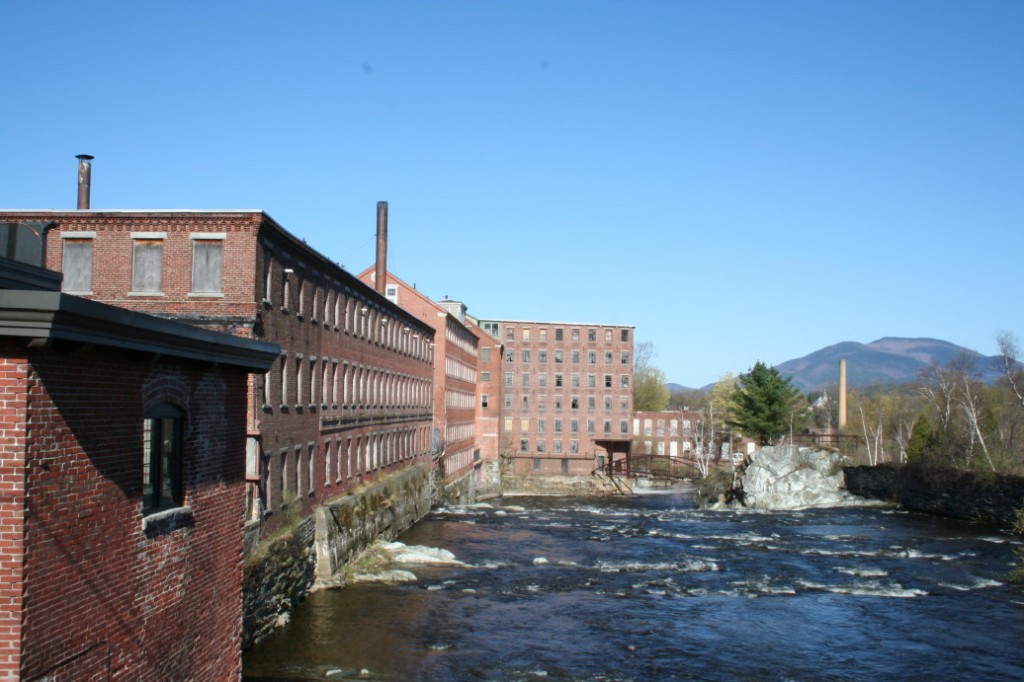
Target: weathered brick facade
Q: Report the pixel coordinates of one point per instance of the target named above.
(565, 388)
(95, 584)
(455, 375)
(350, 395)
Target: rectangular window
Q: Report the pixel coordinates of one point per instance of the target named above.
(162, 459)
(524, 445)
(607, 426)
(542, 356)
(623, 426)
(607, 357)
(542, 380)
(607, 335)
(485, 400)
(540, 446)
(526, 402)
(574, 446)
(508, 400)
(508, 379)
(575, 357)
(542, 334)
(147, 265)
(524, 423)
(590, 426)
(592, 357)
(558, 334)
(574, 426)
(510, 333)
(485, 354)
(575, 335)
(591, 381)
(508, 423)
(207, 264)
(565, 466)
(558, 357)
(607, 380)
(625, 381)
(575, 402)
(77, 265)
(592, 335)
(557, 447)
(526, 356)
(536, 463)
(541, 425)
(526, 379)
(526, 335)
(591, 402)
(485, 376)
(558, 381)
(558, 426)
(625, 357)
(625, 335)
(510, 356)
(607, 403)
(575, 380)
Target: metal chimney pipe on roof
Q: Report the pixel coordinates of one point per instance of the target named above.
(84, 181)
(381, 272)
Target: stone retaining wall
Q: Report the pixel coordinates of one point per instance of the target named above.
(948, 492)
(281, 571)
(384, 510)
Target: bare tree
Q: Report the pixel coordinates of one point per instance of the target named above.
(1011, 367)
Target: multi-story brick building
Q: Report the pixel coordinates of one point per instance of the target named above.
(670, 433)
(456, 359)
(566, 393)
(349, 396)
(121, 486)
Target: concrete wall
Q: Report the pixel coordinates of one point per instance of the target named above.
(959, 494)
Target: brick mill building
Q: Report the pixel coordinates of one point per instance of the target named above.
(348, 398)
(121, 487)
(566, 394)
(456, 359)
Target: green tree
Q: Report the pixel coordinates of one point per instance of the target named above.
(765, 405)
(650, 390)
(921, 440)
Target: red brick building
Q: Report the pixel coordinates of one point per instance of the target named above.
(566, 393)
(350, 395)
(121, 489)
(456, 359)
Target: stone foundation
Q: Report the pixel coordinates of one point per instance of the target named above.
(948, 492)
(281, 571)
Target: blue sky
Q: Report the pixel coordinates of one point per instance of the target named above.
(740, 180)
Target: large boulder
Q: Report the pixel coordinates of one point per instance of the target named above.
(785, 477)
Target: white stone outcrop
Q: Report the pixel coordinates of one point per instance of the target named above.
(784, 477)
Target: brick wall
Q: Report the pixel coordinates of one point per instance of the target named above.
(109, 593)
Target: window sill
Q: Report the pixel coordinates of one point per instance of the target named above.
(209, 294)
(78, 293)
(164, 521)
(155, 294)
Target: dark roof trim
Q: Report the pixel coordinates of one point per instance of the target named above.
(53, 315)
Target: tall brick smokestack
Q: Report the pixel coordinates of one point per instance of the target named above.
(842, 394)
(84, 180)
(381, 272)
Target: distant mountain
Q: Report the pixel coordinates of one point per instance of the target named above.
(886, 361)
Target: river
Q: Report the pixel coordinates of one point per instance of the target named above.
(649, 588)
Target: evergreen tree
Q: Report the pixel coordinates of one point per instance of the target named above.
(921, 441)
(765, 405)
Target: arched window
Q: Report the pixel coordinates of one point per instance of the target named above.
(162, 470)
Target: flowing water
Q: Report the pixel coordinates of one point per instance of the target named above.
(649, 588)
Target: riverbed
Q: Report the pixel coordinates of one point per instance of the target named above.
(650, 588)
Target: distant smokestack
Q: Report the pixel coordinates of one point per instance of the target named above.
(842, 394)
(381, 274)
(84, 180)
